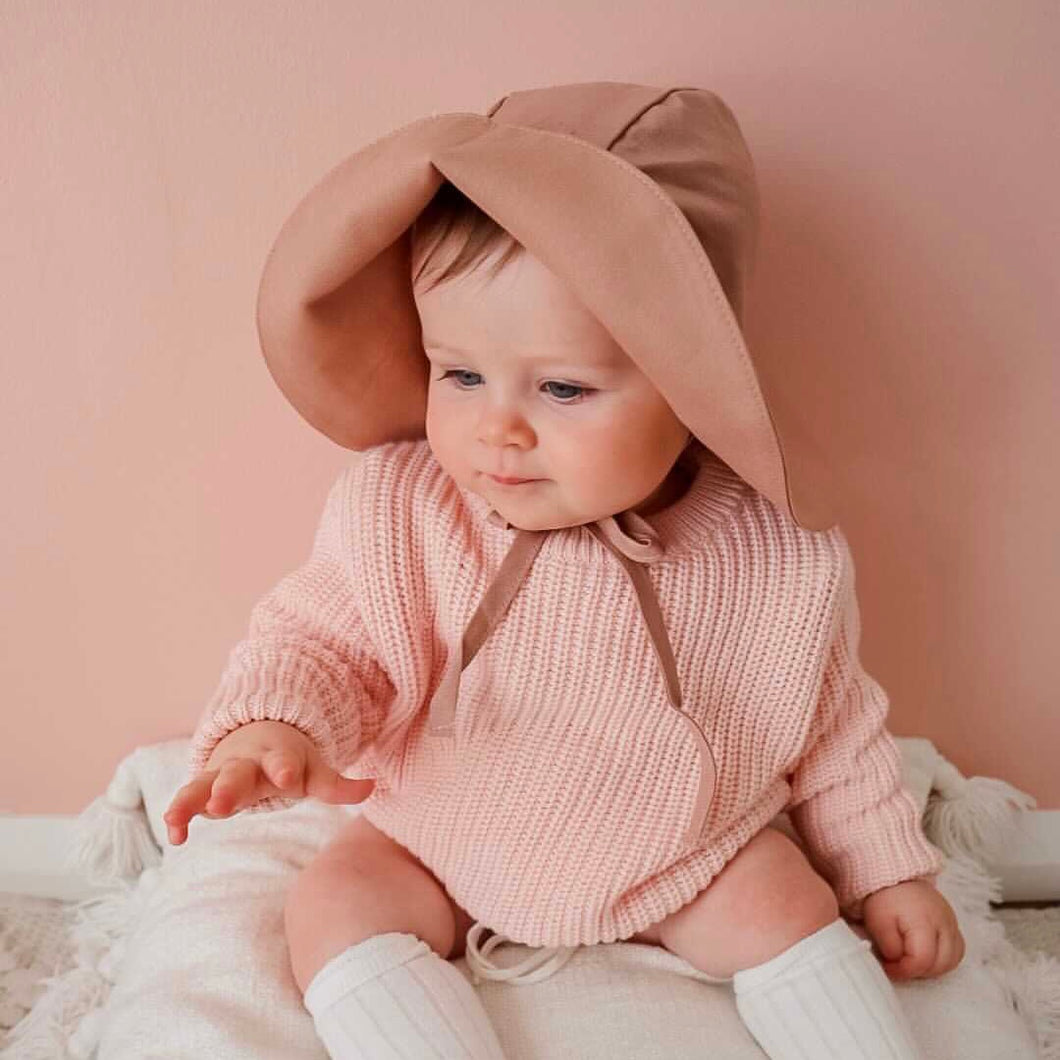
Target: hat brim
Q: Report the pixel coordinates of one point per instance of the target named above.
(338, 324)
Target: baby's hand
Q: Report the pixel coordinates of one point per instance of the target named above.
(915, 930)
(259, 759)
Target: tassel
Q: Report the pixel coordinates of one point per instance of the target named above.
(968, 885)
(976, 816)
(113, 838)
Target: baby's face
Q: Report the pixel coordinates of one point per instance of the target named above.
(526, 383)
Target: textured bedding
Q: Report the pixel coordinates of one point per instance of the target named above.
(190, 958)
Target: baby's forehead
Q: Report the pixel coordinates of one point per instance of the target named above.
(524, 315)
(590, 354)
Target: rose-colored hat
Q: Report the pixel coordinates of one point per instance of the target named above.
(642, 199)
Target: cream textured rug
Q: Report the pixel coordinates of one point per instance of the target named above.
(36, 943)
(1032, 930)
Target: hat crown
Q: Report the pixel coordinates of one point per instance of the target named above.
(685, 138)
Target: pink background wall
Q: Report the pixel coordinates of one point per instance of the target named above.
(156, 482)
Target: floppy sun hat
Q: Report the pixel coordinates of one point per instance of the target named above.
(642, 199)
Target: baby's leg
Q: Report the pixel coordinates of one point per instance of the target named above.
(369, 929)
(361, 884)
(805, 983)
(766, 899)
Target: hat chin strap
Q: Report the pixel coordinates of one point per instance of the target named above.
(634, 543)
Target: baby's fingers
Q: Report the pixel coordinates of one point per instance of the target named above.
(950, 952)
(187, 802)
(284, 770)
(234, 788)
(921, 946)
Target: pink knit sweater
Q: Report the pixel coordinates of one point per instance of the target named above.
(555, 812)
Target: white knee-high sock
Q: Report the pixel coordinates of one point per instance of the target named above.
(825, 998)
(391, 997)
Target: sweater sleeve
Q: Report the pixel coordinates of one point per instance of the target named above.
(860, 826)
(307, 659)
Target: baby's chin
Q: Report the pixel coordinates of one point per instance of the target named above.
(521, 522)
(523, 517)
(530, 516)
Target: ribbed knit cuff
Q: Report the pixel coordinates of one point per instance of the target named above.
(264, 706)
(897, 851)
(882, 846)
(855, 910)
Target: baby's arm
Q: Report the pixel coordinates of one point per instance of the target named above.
(860, 825)
(307, 659)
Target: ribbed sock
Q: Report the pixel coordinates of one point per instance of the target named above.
(391, 997)
(825, 998)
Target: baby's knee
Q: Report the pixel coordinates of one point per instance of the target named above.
(764, 901)
(335, 903)
(781, 891)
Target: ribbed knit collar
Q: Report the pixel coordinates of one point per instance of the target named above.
(681, 527)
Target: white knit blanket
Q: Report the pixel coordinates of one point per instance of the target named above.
(183, 953)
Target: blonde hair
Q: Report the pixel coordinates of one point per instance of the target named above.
(452, 222)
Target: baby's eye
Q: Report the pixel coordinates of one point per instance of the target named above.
(457, 371)
(567, 386)
(566, 396)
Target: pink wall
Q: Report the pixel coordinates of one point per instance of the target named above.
(156, 482)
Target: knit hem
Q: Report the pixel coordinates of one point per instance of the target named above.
(644, 906)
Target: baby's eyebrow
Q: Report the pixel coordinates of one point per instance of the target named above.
(606, 360)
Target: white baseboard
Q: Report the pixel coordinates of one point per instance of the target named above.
(32, 854)
(1030, 870)
(33, 849)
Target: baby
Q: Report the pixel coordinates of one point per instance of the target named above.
(578, 663)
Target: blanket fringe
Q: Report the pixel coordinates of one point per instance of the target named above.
(66, 1021)
(113, 839)
(976, 816)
